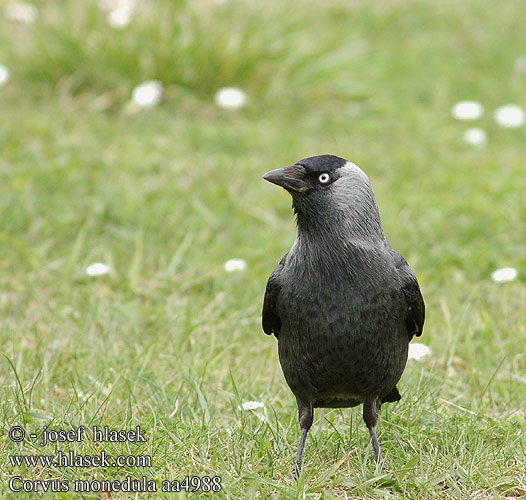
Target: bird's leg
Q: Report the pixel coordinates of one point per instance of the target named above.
(306, 415)
(371, 407)
(376, 447)
(299, 454)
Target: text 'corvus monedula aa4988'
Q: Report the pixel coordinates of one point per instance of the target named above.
(342, 303)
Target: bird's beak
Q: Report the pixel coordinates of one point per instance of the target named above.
(289, 178)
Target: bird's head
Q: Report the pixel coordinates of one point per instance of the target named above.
(316, 173)
(327, 189)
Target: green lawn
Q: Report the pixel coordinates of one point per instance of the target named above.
(171, 342)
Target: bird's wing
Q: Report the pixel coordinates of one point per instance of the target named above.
(271, 320)
(413, 296)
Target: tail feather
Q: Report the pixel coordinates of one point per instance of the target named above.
(393, 396)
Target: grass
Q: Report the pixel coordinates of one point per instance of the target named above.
(171, 342)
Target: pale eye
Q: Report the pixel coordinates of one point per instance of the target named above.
(324, 178)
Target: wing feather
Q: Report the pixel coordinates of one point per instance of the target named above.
(413, 296)
(270, 317)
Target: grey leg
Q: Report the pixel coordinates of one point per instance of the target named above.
(376, 446)
(306, 415)
(299, 453)
(371, 407)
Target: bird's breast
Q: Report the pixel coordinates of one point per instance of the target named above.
(342, 329)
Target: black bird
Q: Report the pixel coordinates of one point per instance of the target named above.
(342, 303)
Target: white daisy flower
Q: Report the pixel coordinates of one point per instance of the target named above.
(120, 17)
(417, 351)
(467, 110)
(21, 12)
(4, 75)
(520, 65)
(475, 136)
(148, 94)
(117, 4)
(509, 116)
(504, 274)
(233, 265)
(230, 98)
(82, 396)
(251, 405)
(97, 269)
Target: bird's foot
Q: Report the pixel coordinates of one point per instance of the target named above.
(295, 474)
(381, 467)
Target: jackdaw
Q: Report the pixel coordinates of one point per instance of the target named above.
(342, 303)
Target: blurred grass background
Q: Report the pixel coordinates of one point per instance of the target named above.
(172, 342)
